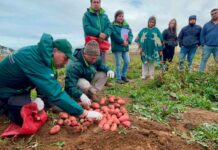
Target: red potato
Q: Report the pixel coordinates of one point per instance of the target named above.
(74, 123)
(116, 111)
(121, 101)
(55, 129)
(111, 111)
(102, 122)
(63, 115)
(67, 122)
(104, 109)
(124, 118)
(111, 106)
(111, 99)
(60, 122)
(113, 127)
(110, 121)
(126, 123)
(119, 114)
(95, 105)
(72, 118)
(102, 101)
(123, 110)
(106, 127)
(117, 105)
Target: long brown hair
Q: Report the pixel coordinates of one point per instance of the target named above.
(175, 27)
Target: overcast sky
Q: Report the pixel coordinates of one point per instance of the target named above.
(22, 22)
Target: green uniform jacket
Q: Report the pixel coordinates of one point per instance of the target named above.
(94, 24)
(31, 67)
(117, 39)
(79, 68)
(150, 40)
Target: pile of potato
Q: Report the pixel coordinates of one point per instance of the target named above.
(114, 115)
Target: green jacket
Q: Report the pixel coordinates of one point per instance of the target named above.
(117, 39)
(79, 68)
(31, 67)
(94, 24)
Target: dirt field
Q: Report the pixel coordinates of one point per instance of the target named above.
(144, 135)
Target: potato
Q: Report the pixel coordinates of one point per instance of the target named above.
(67, 122)
(113, 127)
(72, 118)
(95, 105)
(106, 127)
(123, 110)
(55, 129)
(126, 123)
(60, 122)
(111, 99)
(121, 101)
(63, 115)
(123, 118)
(102, 101)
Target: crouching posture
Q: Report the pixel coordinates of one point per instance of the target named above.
(35, 67)
(87, 74)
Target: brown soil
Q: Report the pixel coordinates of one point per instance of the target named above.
(193, 118)
(143, 135)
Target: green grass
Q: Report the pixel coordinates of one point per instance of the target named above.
(206, 135)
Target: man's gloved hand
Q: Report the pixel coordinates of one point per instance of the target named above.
(110, 74)
(85, 100)
(40, 104)
(94, 115)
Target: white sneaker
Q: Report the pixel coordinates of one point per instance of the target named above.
(152, 77)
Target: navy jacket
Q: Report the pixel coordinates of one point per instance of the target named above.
(209, 34)
(189, 36)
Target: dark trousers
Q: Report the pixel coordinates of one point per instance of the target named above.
(168, 53)
(11, 107)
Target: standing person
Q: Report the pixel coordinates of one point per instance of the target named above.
(35, 67)
(170, 41)
(209, 38)
(149, 41)
(97, 24)
(189, 40)
(121, 37)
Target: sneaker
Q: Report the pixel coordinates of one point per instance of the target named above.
(120, 81)
(125, 79)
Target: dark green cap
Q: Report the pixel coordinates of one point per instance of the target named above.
(64, 46)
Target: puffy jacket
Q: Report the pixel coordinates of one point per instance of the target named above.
(31, 67)
(117, 39)
(79, 68)
(189, 36)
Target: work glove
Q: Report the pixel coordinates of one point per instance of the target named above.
(40, 104)
(85, 100)
(94, 115)
(110, 74)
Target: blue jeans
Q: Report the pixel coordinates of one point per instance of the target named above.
(206, 54)
(126, 61)
(190, 52)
